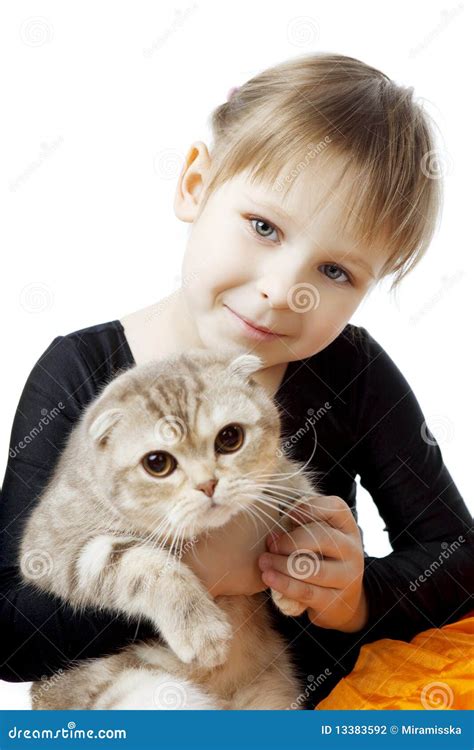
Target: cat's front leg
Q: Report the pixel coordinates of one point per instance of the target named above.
(299, 566)
(289, 607)
(143, 580)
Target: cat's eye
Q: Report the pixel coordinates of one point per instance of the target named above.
(159, 464)
(229, 439)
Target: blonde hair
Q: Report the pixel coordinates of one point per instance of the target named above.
(328, 102)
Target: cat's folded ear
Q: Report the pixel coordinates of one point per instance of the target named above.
(245, 365)
(101, 425)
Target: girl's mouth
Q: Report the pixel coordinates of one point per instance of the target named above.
(250, 330)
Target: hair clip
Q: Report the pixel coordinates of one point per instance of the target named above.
(232, 91)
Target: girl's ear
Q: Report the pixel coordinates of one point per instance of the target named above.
(101, 426)
(245, 365)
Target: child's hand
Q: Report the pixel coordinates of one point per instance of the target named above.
(226, 558)
(328, 578)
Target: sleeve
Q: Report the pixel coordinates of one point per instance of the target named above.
(41, 633)
(427, 581)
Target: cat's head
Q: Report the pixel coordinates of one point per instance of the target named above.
(182, 443)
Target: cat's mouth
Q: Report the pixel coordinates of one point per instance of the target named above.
(212, 514)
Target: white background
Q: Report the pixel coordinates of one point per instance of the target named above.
(101, 101)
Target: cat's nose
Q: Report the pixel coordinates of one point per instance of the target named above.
(207, 487)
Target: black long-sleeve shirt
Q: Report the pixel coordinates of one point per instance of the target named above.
(368, 423)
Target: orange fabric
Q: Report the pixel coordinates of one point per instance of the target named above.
(434, 670)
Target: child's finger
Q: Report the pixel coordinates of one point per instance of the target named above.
(315, 597)
(316, 536)
(308, 567)
(302, 512)
(330, 509)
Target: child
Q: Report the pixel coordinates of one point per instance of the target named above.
(316, 187)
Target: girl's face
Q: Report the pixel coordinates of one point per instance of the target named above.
(274, 261)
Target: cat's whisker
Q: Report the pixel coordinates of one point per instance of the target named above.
(176, 541)
(160, 533)
(254, 523)
(292, 506)
(179, 545)
(271, 485)
(264, 484)
(182, 545)
(273, 520)
(275, 502)
(253, 513)
(288, 500)
(310, 518)
(153, 535)
(260, 474)
(289, 492)
(273, 506)
(287, 475)
(283, 512)
(170, 551)
(294, 502)
(274, 492)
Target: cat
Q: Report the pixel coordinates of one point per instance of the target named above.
(167, 451)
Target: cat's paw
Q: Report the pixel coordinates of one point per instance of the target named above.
(288, 606)
(205, 642)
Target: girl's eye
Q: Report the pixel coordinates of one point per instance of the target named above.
(262, 227)
(333, 270)
(229, 439)
(159, 464)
